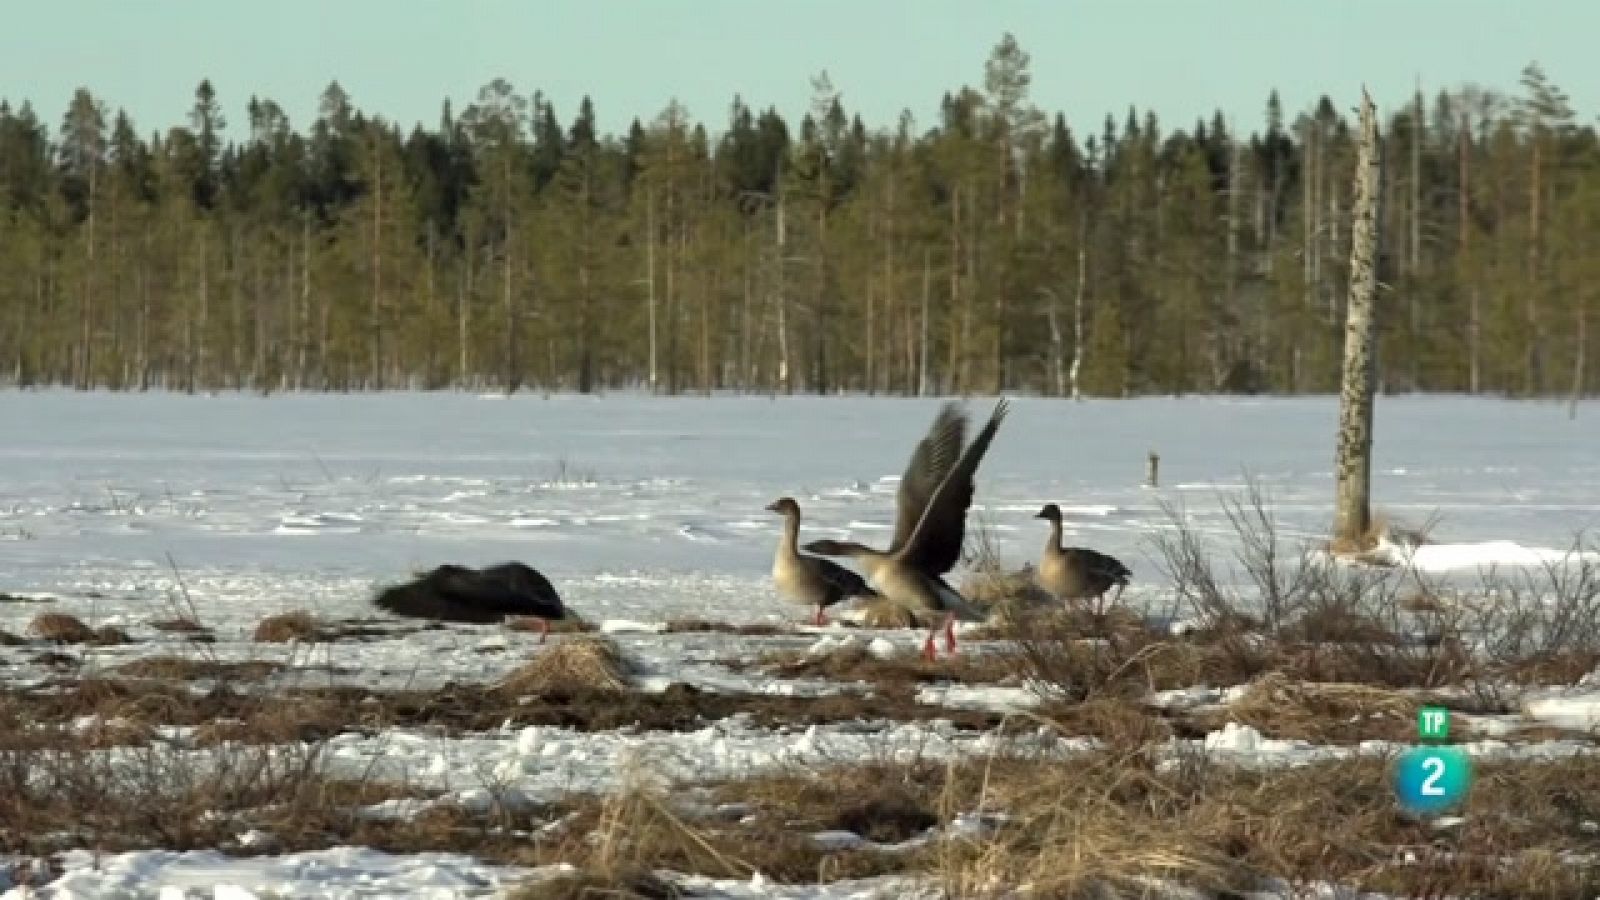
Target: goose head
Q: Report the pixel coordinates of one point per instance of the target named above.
(784, 506)
(1051, 512)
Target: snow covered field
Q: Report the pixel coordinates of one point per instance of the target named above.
(645, 507)
(125, 509)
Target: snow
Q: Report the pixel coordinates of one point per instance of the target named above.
(339, 873)
(543, 763)
(1484, 555)
(130, 509)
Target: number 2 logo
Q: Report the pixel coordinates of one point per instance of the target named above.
(1434, 766)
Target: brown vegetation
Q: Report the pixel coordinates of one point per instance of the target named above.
(298, 625)
(60, 628)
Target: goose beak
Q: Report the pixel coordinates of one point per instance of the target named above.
(772, 507)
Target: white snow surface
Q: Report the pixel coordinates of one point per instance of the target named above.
(648, 508)
(338, 873)
(129, 509)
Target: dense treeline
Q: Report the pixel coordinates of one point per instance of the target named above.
(999, 249)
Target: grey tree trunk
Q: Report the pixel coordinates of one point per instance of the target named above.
(1077, 308)
(1353, 457)
(923, 346)
(650, 280)
(782, 296)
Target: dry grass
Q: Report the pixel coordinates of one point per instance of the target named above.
(751, 629)
(886, 614)
(1118, 721)
(1324, 712)
(282, 628)
(180, 625)
(898, 675)
(60, 628)
(997, 588)
(615, 840)
(571, 623)
(177, 668)
(585, 664)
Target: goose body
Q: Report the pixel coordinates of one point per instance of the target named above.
(930, 525)
(1076, 573)
(812, 580)
(452, 593)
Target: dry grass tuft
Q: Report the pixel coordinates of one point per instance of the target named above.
(110, 635)
(60, 628)
(1325, 712)
(579, 884)
(298, 625)
(584, 664)
(885, 613)
(1118, 721)
(571, 623)
(177, 668)
(750, 629)
(996, 587)
(896, 676)
(180, 625)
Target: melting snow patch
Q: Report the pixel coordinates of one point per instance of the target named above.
(991, 698)
(341, 873)
(1574, 708)
(882, 648)
(630, 626)
(1448, 557)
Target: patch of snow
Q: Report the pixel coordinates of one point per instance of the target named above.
(991, 698)
(1484, 555)
(1182, 699)
(1577, 708)
(340, 873)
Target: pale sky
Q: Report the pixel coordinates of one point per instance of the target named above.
(401, 58)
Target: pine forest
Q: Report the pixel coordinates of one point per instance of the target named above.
(1001, 247)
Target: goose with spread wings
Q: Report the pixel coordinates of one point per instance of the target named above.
(930, 526)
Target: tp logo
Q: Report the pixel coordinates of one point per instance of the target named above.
(1429, 781)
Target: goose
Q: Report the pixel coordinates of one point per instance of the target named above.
(811, 580)
(1076, 573)
(452, 593)
(930, 525)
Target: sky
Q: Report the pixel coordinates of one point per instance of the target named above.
(1181, 59)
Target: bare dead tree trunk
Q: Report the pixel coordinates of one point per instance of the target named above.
(1578, 355)
(784, 369)
(1353, 457)
(747, 301)
(375, 379)
(1535, 361)
(650, 280)
(1223, 326)
(1058, 363)
(888, 290)
(1464, 241)
(86, 309)
(464, 318)
(1077, 307)
(922, 349)
(1415, 244)
(513, 323)
(303, 339)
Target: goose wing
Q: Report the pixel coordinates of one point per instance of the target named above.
(845, 582)
(934, 545)
(933, 458)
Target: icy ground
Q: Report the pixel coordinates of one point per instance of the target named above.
(127, 509)
(649, 507)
